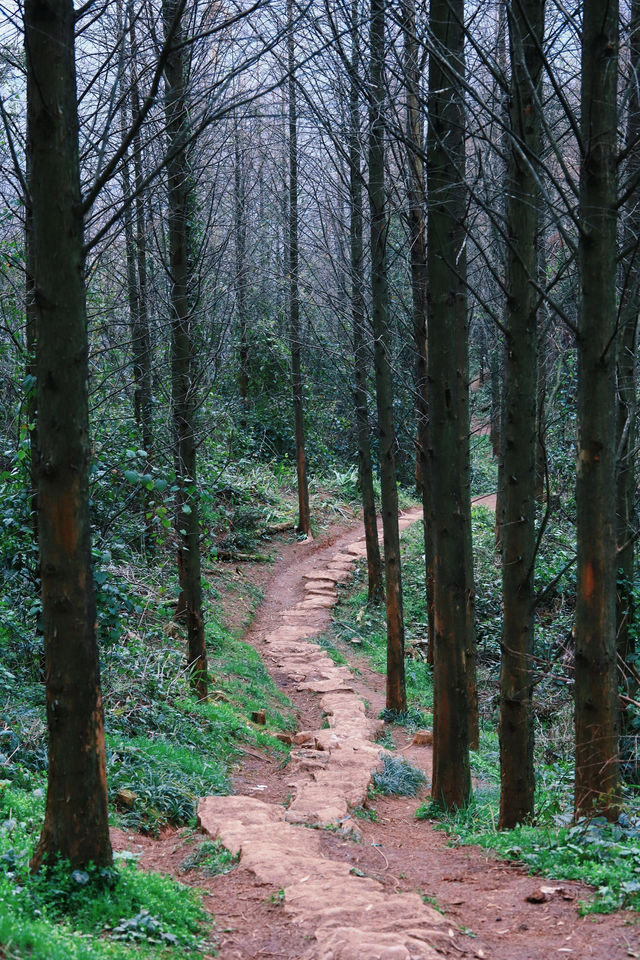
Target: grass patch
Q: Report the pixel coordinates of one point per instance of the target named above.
(412, 719)
(327, 644)
(365, 813)
(397, 778)
(211, 858)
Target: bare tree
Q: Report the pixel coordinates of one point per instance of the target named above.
(451, 784)
(396, 691)
(76, 824)
(519, 421)
(596, 773)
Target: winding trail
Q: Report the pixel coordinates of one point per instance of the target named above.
(351, 916)
(301, 893)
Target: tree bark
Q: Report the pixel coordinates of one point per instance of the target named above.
(143, 402)
(240, 225)
(417, 201)
(596, 773)
(627, 373)
(304, 515)
(517, 778)
(464, 454)
(451, 785)
(182, 348)
(135, 250)
(76, 825)
(30, 371)
(396, 691)
(374, 564)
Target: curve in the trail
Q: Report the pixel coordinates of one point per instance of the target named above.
(352, 917)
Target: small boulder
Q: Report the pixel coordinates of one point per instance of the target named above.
(125, 799)
(305, 736)
(422, 738)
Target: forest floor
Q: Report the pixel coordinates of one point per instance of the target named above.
(379, 884)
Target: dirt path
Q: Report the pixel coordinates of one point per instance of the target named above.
(312, 881)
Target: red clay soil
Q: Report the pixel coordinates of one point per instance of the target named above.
(484, 900)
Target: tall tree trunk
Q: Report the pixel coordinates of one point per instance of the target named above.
(374, 564)
(597, 773)
(495, 377)
(464, 452)
(304, 515)
(133, 292)
(396, 691)
(627, 371)
(76, 825)
(182, 348)
(141, 327)
(31, 319)
(517, 778)
(451, 785)
(240, 225)
(136, 257)
(498, 352)
(418, 253)
(543, 365)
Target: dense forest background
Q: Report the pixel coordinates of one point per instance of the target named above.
(260, 263)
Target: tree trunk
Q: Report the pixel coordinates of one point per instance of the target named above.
(543, 364)
(517, 778)
(627, 374)
(142, 336)
(597, 774)
(304, 515)
(133, 293)
(396, 692)
(374, 565)
(136, 255)
(451, 785)
(182, 348)
(497, 389)
(31, 319)
(76, 825)
(419, 282)
(240, 224)
(464, 455)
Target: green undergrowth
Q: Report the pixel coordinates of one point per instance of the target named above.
(164, 751)
(65, 914)
(602, 854)
(484, 468)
